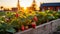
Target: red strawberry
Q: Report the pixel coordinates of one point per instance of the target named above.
(33, 24)
(22, 27)
(17, 15)
(35, 18)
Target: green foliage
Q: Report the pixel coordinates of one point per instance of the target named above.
(9, 21)
(4, 27)
(2, 13)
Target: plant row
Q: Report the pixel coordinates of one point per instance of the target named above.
(11, 22)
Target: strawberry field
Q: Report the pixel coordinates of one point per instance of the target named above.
(11, 22)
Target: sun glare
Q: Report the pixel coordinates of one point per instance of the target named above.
(25, 3)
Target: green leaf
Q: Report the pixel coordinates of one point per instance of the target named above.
(11, 30)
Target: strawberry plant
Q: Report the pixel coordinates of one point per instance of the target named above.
(11, 22)
(6, 28)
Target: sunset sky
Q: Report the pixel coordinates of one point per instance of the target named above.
(23, 3)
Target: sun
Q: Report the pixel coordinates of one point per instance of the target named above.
(25, 3)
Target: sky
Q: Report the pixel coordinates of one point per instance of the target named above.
(23, 3)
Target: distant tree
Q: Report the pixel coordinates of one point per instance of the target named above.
(1, 7)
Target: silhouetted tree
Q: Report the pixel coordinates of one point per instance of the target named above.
(1, 7)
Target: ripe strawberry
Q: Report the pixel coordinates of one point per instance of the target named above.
(33, 24)
(17, 15)
(35, 18)
(22, 27)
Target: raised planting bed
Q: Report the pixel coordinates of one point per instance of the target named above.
(46, 28)
(57, 31)
(28, 22)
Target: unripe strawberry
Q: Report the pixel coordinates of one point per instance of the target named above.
(22, 27)
(35, 18)
(33, 24)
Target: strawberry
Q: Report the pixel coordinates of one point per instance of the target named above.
(35, 18)
(33, 24)
(22, 27)
(17, 15)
